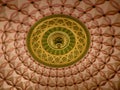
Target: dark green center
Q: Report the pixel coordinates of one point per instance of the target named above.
(58, 42)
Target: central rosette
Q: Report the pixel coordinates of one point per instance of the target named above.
(58, 40)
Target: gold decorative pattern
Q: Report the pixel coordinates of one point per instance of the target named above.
(98, 70)
(58, 40)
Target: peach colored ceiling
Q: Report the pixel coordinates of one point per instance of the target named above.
(98, 70)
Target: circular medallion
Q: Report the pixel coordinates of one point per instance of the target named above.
(58, 40)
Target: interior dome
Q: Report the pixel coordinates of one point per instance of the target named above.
(59, 45)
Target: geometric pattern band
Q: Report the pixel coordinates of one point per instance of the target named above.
(98, 70)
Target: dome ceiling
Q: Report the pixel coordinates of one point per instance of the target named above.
(21, 33)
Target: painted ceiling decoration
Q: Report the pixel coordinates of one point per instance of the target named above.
(58, 40)
(59, 44)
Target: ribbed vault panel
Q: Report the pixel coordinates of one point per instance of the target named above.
(98, 70)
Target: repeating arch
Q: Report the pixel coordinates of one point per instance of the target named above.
(98, 70)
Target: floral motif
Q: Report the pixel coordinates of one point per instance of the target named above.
(98, 70)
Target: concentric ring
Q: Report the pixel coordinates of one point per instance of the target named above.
(58, 40)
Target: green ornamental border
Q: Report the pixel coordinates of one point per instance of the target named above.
(58, 15)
